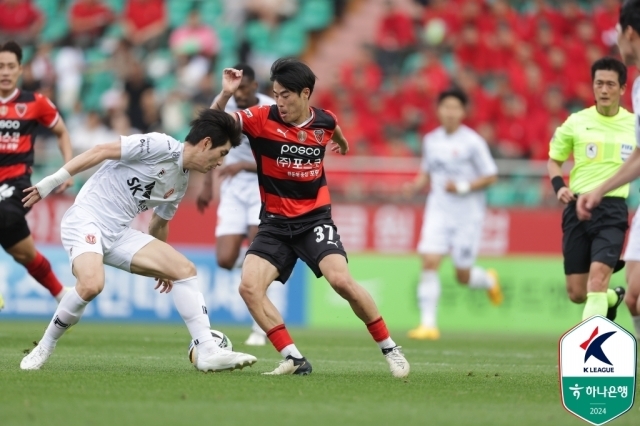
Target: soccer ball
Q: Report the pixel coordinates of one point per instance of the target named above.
(219, 339)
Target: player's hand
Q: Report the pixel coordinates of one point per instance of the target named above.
(565, 195)
(32, 197)
(341, 149)
(409, 190)
(451, 187)
(231, 79)
(230, 170)
(586, 203)
(204, 198)
(64, 186)
(166, 285)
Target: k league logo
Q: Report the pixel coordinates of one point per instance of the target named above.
(597, 368)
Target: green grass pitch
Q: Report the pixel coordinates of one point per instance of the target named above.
(122, 374)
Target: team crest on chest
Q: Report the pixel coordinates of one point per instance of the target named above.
(319, 134)
(21, 109)
(302, 136)
(4, 110)
(90, 238)
(161, 173)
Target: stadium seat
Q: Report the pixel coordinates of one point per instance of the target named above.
(178, 11)
(55, 28)
(211, 12)
(259, 36)
(316, 15)
(228, 38)
(290, 39)
(48, 7)
(116, 5)
(502, 194)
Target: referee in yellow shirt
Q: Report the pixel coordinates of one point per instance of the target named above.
(600, 139)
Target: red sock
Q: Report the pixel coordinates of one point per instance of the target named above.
(40, 269)
(279, 337)
(378, 330)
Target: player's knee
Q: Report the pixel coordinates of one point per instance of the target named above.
(185, 269)
(24, 257)
(225, 261)
(343, 285)
(248, 291)
(631, 301)
(576, 296)
(89, 287)
(463, 276)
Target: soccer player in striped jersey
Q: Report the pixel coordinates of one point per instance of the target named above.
(289, 141)
(20, 114)
(600, 138)
(629, 45)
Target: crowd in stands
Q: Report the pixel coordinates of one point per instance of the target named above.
(122, 66)
(525, 65)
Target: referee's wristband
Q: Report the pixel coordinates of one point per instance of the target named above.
(48, 184)
(558, 183)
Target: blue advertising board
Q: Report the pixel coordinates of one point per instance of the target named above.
(129, 297)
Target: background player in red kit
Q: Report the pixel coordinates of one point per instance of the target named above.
(20, 114)
(288, 141)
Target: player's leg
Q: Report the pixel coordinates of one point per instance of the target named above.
(434, 244)
(144, 255)
(83, 241)
(607, 230)
(16, 239)
(269, 259)
(464, 252)
(321, 249)
(632, 298)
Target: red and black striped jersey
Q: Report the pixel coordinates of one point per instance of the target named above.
(289, 159)
(20, 115)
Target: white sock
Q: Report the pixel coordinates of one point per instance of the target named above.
(190, 304)
(387, 343)
(428, 297)
(68, 313)
(291, 350)
(479, 279)
(240, 259)
(636, 323)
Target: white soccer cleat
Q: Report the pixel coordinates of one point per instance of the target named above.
(256, 339)
(291, 365)
(36, 358)
(398, 364)
(224, 360)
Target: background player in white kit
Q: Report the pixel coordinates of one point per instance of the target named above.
(145, 171)
(240, 204)
(629, 45)
(457, 163)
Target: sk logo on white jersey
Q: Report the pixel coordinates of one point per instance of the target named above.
(284, 134)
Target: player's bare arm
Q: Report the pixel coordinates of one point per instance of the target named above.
(563, 193)
(84, 161)
(64, 143)
(231, 79)
(629, 171)
(235, 168)
(464, 187)
(419, 183)
(339, 142)
(206, 193)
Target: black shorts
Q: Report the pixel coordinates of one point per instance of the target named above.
(312, 244)
(600, 239)
(13, 225)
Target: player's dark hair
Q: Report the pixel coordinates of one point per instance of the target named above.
(247, 71)
(218, 125)
(293, 75)
(610, 64)
(13, 47)
(454, 93)
(630, 15)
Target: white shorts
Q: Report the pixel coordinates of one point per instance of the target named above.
(239, 206)
(81, 233)
(632, 252)
(459, 236)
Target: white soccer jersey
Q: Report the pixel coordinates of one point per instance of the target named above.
(243, 152)
(460, 156)
(148, 175)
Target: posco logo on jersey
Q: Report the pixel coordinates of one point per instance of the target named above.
(9, 124)
(304, 150)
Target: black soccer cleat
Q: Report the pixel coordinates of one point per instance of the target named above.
(291, 365)
(613, 311)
